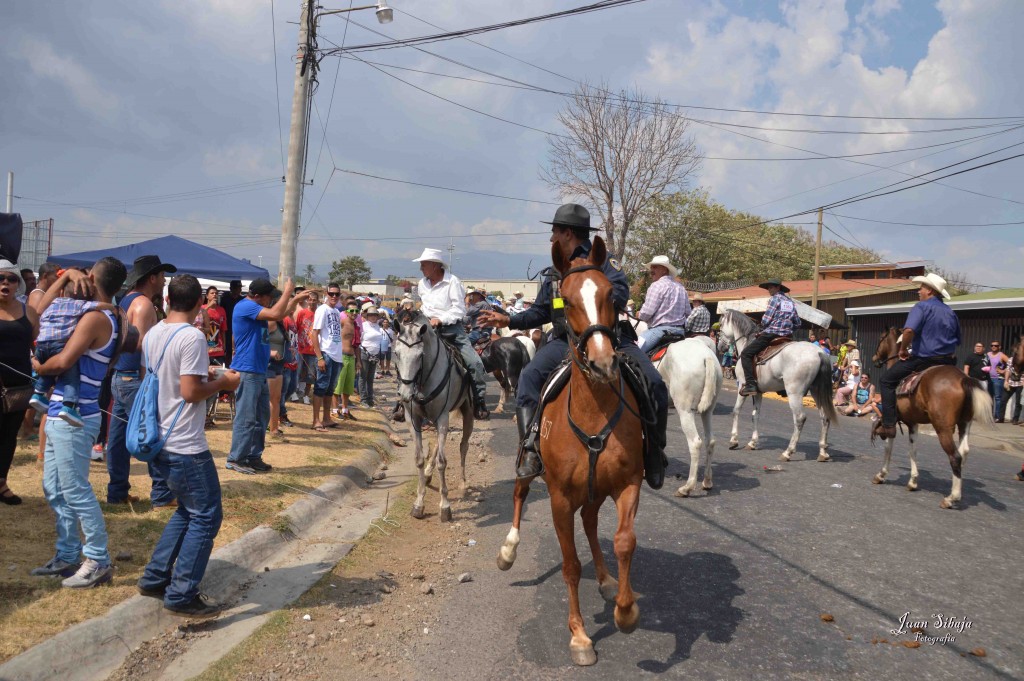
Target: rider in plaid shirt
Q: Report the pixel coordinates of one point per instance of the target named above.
(779, 319)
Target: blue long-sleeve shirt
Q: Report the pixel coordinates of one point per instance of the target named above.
(936, 329)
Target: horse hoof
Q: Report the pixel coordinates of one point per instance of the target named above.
(506, 564)
(626, 621)
(417, 512)
(878, 480)
(446, 514)
(707, 485)
(609, 590)
(824, 457)
(784, 457)
(946, 503)
(752, 446)
(583, 656)
(734, 445)
(683, 492)
(911, 486)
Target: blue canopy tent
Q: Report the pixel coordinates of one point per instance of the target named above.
(188, 256)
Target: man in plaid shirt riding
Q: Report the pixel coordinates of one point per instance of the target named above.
(778, 320)
(666, 306)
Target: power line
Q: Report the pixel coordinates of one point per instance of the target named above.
(925, 224)
(330, 106)
(422, 40)
(447, 189)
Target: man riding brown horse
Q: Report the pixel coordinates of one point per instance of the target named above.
(930, 338)
(570, 230)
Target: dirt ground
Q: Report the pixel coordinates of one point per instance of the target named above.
(367, 615)
(33, 608)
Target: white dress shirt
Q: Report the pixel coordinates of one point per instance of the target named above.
(446, 300)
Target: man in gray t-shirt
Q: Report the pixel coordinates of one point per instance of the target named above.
(177, 353)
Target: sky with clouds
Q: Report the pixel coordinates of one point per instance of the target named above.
(129, 120)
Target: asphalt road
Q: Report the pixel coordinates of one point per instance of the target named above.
(733, 583)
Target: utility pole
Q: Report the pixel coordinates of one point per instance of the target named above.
(294, 179)
(451, 255)
(10, 192)
(817, 260)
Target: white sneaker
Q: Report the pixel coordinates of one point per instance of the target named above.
(89, 575)
(97, 453)
(305, 399)
(294, 397)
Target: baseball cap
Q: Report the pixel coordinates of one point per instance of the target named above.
(261, 287)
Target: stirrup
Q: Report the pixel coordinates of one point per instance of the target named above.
(750, 389)
(531, 465)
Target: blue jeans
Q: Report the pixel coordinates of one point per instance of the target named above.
(69, 493)
(124, 387)
(44, 351)
(995, 389)
(367, 371)
(181, 555)
(456, 335)
(288, 386)
(252, 415)
(655, 334)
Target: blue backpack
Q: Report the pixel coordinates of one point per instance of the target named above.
(143, 436)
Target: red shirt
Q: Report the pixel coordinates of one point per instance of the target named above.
(218, 324)
(304, 321)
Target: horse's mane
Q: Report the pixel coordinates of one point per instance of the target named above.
(744, 323)
(404, 317)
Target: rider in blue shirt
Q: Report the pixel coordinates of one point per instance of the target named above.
(932, 333)
(571, 229)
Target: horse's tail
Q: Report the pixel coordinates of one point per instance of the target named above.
(712, 384)
(979, 400)
(821, 390)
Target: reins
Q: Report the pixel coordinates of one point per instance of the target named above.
(420, 379)
(579, 342)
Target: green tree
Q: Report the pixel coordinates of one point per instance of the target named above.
(350, 271)
(309, 276)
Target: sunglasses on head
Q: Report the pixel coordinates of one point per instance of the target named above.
(12, 278)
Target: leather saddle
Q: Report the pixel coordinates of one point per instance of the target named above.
(661, 347)
(908, 386)
(774, 348)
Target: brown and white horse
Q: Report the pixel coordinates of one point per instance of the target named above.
(947, 399)
(591, 442)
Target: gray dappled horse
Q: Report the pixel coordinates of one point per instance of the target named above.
(799, 367)
(431, 384)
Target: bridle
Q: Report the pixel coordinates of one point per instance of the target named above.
(879, 363)
(419, 379)
(579, 342)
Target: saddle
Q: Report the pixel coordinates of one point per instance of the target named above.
(908, 386)
(774, 348)
(661, 347)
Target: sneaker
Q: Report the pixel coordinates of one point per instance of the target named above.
(151, 593)
(1020, 475)
(200, 606)
(305, 399)
(278, 437)
(89, 575)
(294, 397)
(287, 424)
(130, 499)
(346, 414)
(259, 465)
(39, 402)
(71, 416)
(239, 468)
(56, 568)
(97, 453)
(334, 413)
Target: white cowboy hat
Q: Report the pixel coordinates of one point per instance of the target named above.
(366, 306)
(518, 293)
(697, 296)
(431, 255)
(663, 261)
(934, 282)
(370, 309)
(7, 265)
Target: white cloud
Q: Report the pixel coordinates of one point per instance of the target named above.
(45, 62)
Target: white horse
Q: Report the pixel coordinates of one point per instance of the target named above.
(693, 377)
(798, 368)
(431, 384)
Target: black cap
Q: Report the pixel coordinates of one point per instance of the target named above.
(144, 266)
(774, 282)
(261, 287)
(572, 215)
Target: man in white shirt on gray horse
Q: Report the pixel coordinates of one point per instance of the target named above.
(443, 302)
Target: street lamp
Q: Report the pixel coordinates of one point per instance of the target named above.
(297, 139)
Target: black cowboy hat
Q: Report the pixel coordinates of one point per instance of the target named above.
(774, 282)
(572, 215)
(144, 266)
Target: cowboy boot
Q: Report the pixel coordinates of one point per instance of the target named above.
(883, 431)
(655, 461)
(530, 465)
(750, 388)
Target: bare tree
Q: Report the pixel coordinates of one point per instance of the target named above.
(619, 152)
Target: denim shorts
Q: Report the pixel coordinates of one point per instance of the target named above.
(275, 368)
(326, 379)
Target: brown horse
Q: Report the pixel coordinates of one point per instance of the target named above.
(945, 398)
(595, 408)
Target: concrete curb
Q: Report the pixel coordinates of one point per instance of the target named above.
(96, 647)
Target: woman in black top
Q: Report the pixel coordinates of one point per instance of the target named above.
(19, 326)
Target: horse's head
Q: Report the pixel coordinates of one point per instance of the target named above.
(886, 349)
(589, 311)
(413, 331)
(1018, 354)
